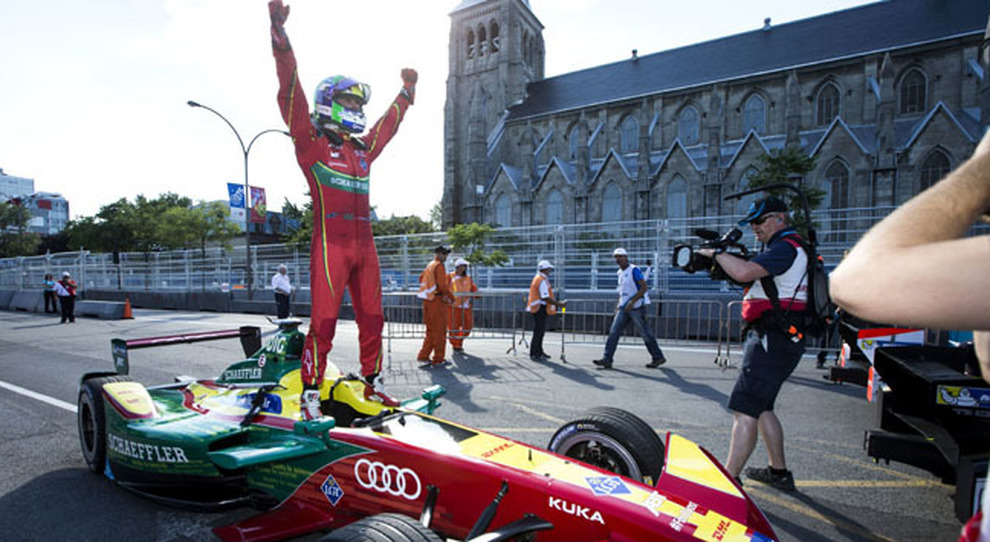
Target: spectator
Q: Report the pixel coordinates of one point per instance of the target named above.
(49, 283)
(283, 289)
(773, 347)
(65, 289)
(434, 290)
(541, 303)
(462, 311)
(632, 303)
(941, 278)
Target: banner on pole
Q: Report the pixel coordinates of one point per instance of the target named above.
(259, 206)
(237, 200)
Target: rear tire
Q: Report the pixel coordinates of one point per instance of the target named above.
(612, 439)
(383, 528)
(92, 422)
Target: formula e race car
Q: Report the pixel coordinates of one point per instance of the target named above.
(370, 472)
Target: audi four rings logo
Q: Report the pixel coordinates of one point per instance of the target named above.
(399, 482)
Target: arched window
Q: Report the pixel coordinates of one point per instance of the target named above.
(677, 198)
(755, 115)
(629, 135)
(482, 41)
(503, 211)
(470, 43)
(837, 180)
(827, 104)
(935, 166)
(713, 199)
(574, 139)
(913, 92)
(525, 43)
(494, 37)
(555, 207)
(611, 203)
(687, 126)
(744, 202)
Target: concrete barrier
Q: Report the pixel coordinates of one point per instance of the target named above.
(107, 310)
(28, 300)
(5, 297)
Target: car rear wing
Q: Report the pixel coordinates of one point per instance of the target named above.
(250, 337)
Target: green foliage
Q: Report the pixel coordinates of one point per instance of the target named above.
(14, 240)
(401, 225)
(779, 167)
(470, 239)
(436, 216)
(299, 238)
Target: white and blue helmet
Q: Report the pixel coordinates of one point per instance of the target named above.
(328, 114)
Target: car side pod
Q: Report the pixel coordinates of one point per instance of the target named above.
(307, 438)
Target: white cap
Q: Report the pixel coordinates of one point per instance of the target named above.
(460, 262)
(620, 252)
(65, 274)
(544, 264)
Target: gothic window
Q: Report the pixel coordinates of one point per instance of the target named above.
(755, 115)
(503, 211)
(470, 43)
(913, 92)
(677, 198)
(525, 44)
(482, 41)
(933, 169)
(746, 201)
(494, 39)
(628, 135)
(687, 126)
(713, 199)
(574, 139)
(611, 203)
(555, 207)
(827, 104)
(837, 179)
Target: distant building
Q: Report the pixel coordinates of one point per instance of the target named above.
(887, 97)
(49, 212)
(12, 187)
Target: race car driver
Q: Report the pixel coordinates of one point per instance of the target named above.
(336, 158)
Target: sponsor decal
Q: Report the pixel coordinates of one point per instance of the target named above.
(396, 481)
(654, 502)
(575, 510)
(332, 490)
(248, 373)
(721, 529)
(364, 165)
(607, 485)
(146, 452)
(500, 448)
(273, 403)
(678, 523)
(963, 396)
(261, 361)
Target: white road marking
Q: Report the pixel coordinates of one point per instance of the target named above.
(39, 397)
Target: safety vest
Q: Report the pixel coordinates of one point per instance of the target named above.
(627, 287)
(535, 299)
(428, 280)
(462, 285)
(792, 287)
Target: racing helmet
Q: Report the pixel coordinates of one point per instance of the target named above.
(329, 114)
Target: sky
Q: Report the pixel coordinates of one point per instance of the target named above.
(93, 93)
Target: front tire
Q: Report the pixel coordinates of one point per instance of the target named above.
(612, 439)
(91, 418)
(383, 528)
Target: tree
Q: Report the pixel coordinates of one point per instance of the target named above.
(299, 238)
(401, 225)
(436, 216)
(779, 167)
(14, 239)
(470, 238)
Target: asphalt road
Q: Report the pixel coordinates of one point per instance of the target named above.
(46, 492)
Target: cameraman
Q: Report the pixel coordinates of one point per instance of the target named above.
(773, 347)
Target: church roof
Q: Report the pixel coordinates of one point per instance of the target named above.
(869, 29)
(465, 4)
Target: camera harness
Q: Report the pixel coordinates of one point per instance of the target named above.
(778, 316)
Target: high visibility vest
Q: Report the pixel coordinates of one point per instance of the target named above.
(535, 299)
(428, 281)
(461, 285)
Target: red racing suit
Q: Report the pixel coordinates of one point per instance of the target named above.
(342, 250)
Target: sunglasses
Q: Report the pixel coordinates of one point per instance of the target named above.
(762, 219)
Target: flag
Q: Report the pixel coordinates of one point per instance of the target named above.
(259, 207)
(236, 192)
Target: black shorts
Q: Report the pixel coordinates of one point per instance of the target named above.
(764, 371)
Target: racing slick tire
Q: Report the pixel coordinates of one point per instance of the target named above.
(383, 528)
(612, 439)
(92, 420)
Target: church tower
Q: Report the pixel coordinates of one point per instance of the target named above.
(495, 50)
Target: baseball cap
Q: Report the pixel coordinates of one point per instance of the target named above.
(460, 262)
(762, 207)
(544, 264)
(620, 252)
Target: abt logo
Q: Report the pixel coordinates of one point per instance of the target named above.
(576, 510)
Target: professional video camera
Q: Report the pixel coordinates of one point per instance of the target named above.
(687, 258)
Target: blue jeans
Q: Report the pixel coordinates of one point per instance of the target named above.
(638, 317)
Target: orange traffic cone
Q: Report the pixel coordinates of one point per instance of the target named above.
(127, 308)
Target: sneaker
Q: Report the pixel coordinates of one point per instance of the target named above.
(537, 358)
(423, 360)
(374, 390)
(783, 482)
(656, 363)
(604, 364)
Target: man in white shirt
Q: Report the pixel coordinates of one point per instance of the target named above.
(632, 303)
(283, 289)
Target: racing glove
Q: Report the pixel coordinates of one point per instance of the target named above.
(309, 405)
(409, 78)
(278, 13)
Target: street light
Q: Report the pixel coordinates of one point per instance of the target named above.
(247, 190)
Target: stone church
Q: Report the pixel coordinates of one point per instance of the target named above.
(887, 97)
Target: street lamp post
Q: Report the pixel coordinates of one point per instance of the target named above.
(247, 189)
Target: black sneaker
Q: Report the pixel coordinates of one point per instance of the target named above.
(536, 358)
(783, 482)
(656, 363)
(604, 364)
